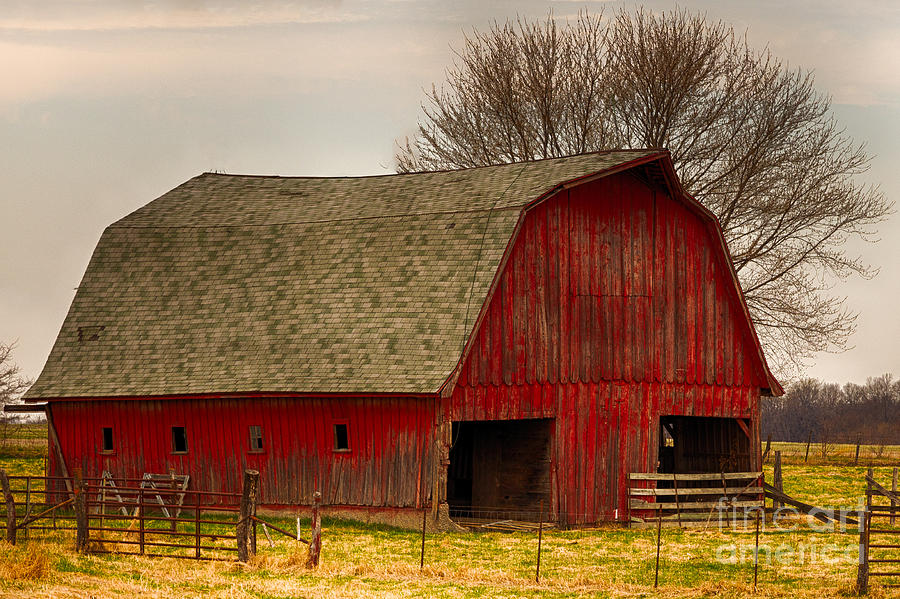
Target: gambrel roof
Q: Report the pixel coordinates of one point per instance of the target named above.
(242, 284)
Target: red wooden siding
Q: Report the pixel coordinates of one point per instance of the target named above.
(391, 445)
(615, 306)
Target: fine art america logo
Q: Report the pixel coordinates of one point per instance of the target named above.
(812, 549)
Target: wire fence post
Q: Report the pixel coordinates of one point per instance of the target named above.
(537, 573)
(658, 542)
(862, 573)
(808, 441)
(756, 554)
(777, 481)
(422, 551)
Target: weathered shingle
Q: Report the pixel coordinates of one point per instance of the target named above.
(243, 283)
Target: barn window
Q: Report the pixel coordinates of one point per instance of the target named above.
(179, 439)
(341, 437)
(107, 440)
(256, 441)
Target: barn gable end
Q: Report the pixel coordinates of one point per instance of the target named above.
(613, 280)
(615, 307)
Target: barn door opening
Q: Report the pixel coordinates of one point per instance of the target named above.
(695, 444)
(499, 469)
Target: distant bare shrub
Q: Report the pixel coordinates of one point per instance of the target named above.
(825, 446)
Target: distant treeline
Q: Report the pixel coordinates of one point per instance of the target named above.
(829, 413)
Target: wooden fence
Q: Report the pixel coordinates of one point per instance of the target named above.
(879, 536)
(692, 499)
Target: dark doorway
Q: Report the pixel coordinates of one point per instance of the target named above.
(695, 444)
(499, 468)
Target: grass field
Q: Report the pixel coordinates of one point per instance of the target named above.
(374, 561)
(836, 454)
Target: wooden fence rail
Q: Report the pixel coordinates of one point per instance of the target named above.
(692, 499)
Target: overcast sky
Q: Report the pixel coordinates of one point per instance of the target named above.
(107, 104)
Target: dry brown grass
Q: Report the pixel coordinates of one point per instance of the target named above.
(366, 561)
(29, 563)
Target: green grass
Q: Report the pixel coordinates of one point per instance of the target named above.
(23, 448)
(380, 561)
(834, 454)
(835, 480)
(828, 486)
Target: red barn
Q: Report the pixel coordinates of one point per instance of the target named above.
(483, 338)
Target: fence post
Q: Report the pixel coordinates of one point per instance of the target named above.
(808, 441)
(856, 459)
(537, 573)
(658, 543)
(756, 554)
(315, 543)
(10, 508)
(894, 491)
(768, 447)
(422, 553)
(862, 573)
(870, 473)
(82, 534)
(777, 482)
(249, 497)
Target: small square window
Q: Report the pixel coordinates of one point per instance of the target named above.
(179, 439)
(256, 441)
(341, 438)
(107, 446)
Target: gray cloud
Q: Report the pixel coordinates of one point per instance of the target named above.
(110, 104)
(61, 16)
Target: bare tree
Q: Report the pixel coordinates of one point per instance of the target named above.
(12, 383)
(751, 139)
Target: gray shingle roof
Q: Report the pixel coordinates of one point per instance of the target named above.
(232, 284)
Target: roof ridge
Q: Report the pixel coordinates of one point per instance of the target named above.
(125, 225)
(438, 171)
